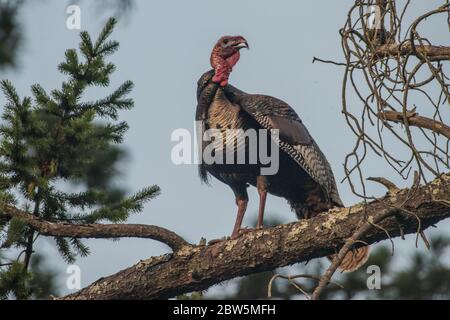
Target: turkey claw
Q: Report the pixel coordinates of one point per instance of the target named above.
(214, 241)
(240, 232)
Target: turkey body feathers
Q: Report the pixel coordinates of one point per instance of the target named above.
(304, 178)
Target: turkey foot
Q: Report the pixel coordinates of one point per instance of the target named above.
(241, 232)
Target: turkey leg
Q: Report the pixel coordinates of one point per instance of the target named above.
(262, 205)
(242, 207)
(261, 185)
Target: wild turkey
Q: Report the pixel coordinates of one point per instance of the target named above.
(304, 178)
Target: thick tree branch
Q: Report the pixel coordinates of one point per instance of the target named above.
(433, 53)
(95, 230)
(417, 121)
(198, 267)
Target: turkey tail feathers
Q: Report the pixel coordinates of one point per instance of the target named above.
(354, 259)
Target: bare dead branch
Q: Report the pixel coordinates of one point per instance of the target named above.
(434, 53)
(417, 121)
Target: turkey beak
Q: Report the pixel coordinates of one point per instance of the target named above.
(242, 44)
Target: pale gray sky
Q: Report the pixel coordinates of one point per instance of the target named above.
(165, 47)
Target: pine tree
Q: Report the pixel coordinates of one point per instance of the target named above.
(54, 139)
(10, 32)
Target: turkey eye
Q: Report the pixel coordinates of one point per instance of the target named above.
(225, 41)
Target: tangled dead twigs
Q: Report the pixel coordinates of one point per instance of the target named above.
(395, 73)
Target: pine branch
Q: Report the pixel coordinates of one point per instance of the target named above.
(119, 212)
(104, 34)
(10, 92)
(109, 106)
(97, 231)
(65, 250)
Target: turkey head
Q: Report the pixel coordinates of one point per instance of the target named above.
(224, 57)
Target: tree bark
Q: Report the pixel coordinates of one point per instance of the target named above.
(194, 268)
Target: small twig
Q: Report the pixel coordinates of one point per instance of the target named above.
(392, 188)
(387, 234)
(363, 242)
(299, 288)
(425, 240)
(400, 227)
(291, 279)
(416, 181)
(346, 248)
(202, 242)
(6, 264)
(329, 62)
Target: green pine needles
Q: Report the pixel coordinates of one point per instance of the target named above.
(55, 140)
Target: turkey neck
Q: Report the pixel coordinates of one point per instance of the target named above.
(205, 98)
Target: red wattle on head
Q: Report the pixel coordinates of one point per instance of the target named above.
(224, 57)
(223, 69)
(233, 59)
